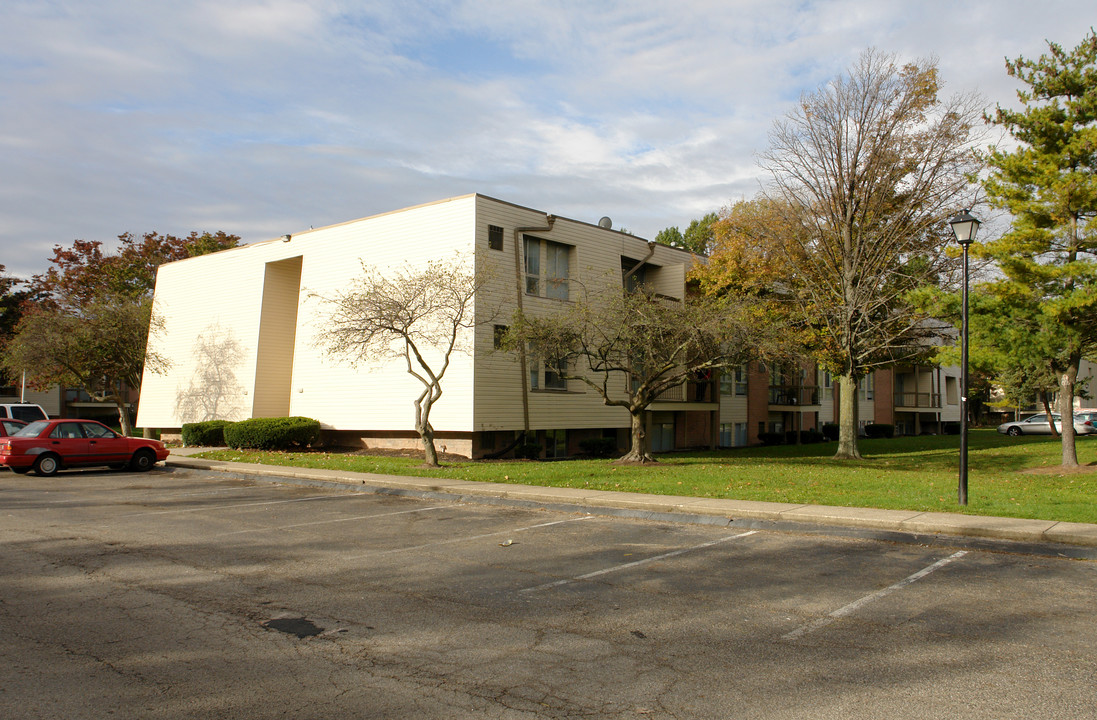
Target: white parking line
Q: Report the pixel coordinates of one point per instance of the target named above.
(858, 604)
(636, 563)
(466, 539)
(238, 505)
(336, 520)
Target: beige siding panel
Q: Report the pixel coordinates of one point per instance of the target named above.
(277, 329)
(211, 310)
(594, 264)
(378, 393)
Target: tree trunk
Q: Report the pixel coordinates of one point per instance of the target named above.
(847, 419)
(1066, 415)
(1047, 411)
(124, 417)
(426, 436)
(638, 452)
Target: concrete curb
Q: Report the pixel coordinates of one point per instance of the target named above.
(738, 512)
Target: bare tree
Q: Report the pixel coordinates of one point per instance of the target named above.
(632, 347)
(417, 314)
(867, 169)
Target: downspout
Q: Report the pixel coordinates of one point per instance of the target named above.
(518, 275)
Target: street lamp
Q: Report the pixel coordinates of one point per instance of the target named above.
(964, 226)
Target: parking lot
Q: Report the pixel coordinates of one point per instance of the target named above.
(185, 593)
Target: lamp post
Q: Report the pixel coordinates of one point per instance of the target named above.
(964, 226)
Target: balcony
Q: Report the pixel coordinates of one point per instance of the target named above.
(793, 396)
(917, 401)
(690, 392)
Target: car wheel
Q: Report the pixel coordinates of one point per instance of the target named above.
(47, 464)
(143, 460)
(1014, 431)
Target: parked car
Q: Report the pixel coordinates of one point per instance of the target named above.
(27, 412)
(10, 427)
(47, 446)
(1038, 425)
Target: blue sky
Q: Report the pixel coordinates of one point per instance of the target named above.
(265, 117)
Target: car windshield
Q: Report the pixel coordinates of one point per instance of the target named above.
(33, 429)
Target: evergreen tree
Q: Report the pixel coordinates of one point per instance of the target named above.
(1048, 258)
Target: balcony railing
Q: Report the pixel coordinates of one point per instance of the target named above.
(793, 395)
(917, 400)
(690, 392)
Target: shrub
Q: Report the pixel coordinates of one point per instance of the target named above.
(599, 447)
(209, 433)
(285, 433)
(771, 438)
(879, 430)
(806, 437)
(950, 428)
(830, 431)
(528, 451)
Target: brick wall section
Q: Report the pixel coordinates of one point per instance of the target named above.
(884, 399)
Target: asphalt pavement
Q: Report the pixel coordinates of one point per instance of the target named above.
(743, 513)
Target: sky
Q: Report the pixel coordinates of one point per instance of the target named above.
(266, 117)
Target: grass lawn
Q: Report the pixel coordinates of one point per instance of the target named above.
(1009, 477)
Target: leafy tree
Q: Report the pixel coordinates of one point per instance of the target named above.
(83, 271)
(632, 347)
(11, 310)
(88, 317)
(865, 171)
(101, 349)
(698, 237)
(1048, 258)
(671, 237)
(418, 315)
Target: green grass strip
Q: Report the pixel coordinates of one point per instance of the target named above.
(909, 473)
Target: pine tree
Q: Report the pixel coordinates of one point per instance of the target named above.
(1049, 256)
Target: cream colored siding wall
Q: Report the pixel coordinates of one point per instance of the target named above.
(378, 394)
(594, 264)
(212, 300)
(277, 330)
(950, 412)
(225, 291)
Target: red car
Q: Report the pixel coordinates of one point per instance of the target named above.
(47, 446)
(10, 426)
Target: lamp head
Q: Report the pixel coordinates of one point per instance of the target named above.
(964, 226)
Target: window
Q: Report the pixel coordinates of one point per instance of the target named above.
(556, 443)
(554, 371)
(499, 333)
(556, 261)
(867, 386)
(741, 374)
(495, 237)
(740, 434)
(662, 431)
(533, 266)
(556, 268)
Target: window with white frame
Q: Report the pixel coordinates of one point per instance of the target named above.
(548, 266)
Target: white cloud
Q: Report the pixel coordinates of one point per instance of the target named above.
(266, 116)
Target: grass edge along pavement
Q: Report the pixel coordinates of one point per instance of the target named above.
(1008, 477)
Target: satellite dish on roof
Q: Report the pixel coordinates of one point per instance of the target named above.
(606, 223)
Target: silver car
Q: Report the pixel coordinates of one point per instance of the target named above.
(1039, 425)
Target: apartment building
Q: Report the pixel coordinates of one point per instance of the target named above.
(241, 330)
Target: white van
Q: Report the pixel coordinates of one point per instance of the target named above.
(27, 412)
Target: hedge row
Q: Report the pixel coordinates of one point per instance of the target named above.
(283, 433)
